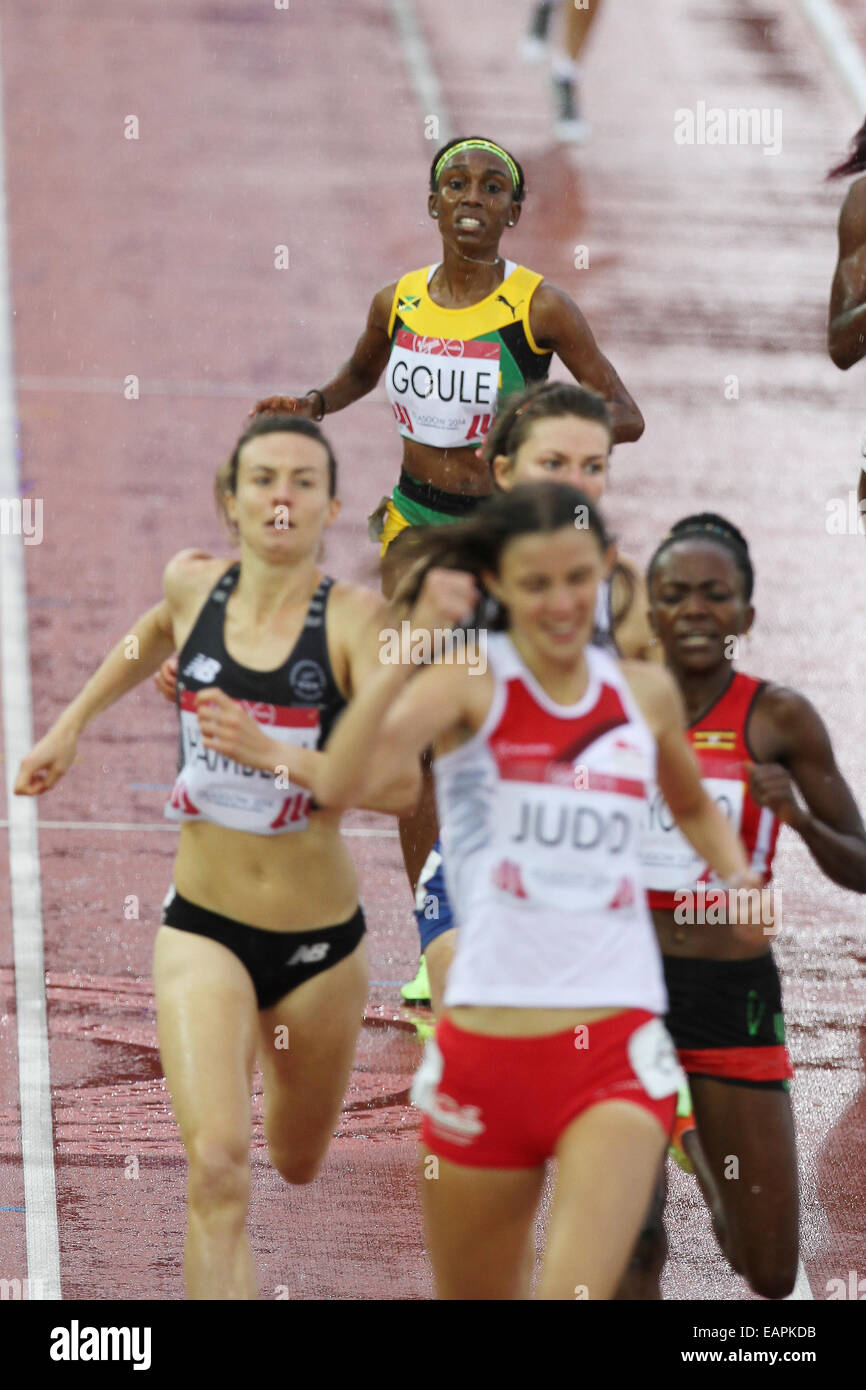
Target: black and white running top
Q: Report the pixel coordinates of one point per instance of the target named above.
(298, 703)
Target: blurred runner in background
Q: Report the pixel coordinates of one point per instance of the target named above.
(577, 20)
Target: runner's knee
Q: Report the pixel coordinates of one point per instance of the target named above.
(297, 1168)
(219, 1175)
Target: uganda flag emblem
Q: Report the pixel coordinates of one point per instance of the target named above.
(723, 740)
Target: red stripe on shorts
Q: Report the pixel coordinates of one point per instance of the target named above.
(739, 1063)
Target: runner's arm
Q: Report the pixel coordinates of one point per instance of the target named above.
(137, 655)
(830, 824)
(558, 324)
(357, 376)
(393, 720)
(846, 332)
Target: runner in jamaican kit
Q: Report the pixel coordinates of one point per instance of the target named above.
(761, 749)
(550, 1043)
(262, 935)
(455, 336)
(846, 334)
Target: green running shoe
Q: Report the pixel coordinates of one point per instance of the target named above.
(425, 1028)
(418, 990)
(684, 1122)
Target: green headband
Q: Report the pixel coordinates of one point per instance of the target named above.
(479, 145)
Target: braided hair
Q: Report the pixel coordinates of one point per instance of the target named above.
(712, 527)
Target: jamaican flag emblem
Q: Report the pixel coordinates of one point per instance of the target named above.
(407, 302)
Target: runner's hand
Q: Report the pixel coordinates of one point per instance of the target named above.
(165, 679)
(447, 599)
(771, 786)
(284, 405)
(46, 763)
(228, 729)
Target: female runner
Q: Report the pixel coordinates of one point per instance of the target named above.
(758, 745)
(560, 432)
(846, 333)
(550, 1044)
(262, 935)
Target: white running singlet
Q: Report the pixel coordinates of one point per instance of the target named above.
(540, 815)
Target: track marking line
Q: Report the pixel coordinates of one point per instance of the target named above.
(832, 33)
(37, 1138)
(421, 71)
(149, 386)
(360, 832)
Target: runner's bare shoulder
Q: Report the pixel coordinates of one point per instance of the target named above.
(190, 574)
(656, 692)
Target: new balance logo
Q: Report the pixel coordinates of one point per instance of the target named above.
(506, 877)
(203, 668)
(310, 955)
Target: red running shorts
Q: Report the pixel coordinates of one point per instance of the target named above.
(493, 1102)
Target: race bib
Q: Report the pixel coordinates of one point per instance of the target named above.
(670, 862)
(443, 390)
(567, 851)
(214, 787)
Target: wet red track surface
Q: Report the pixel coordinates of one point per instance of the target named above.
(155, 258)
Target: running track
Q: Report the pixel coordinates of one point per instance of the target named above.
(155, 258)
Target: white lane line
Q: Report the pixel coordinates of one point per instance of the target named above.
(421, 71)
(360, 832)
(37, 1139)
(844, 54)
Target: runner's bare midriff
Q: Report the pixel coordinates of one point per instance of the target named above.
(294, 882)
(451, 470)
(522, 1023)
